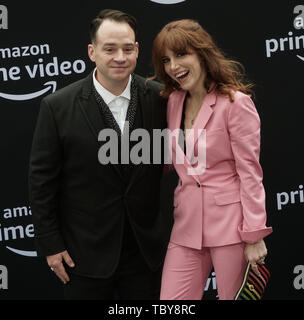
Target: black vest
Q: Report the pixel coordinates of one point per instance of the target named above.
(134, 119)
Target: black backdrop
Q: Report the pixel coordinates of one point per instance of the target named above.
(47, 41)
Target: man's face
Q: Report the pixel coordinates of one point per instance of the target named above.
(115, 53)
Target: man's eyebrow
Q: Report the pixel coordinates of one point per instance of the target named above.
(109, 44)
(115, 44)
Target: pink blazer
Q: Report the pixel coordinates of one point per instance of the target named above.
(223, 203)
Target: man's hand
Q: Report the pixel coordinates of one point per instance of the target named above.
(56, 265)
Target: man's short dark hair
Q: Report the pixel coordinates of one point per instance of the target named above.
(114, 15)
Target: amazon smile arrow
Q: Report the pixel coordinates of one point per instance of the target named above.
(300, 57)
(51, 85)
(23, 252)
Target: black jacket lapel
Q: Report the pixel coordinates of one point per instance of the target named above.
(144, 103)
(92, 114)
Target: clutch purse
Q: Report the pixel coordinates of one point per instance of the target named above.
(253, 286)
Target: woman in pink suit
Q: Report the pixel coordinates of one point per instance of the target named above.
(219, 202)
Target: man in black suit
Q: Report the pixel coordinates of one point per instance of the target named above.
(100, 226)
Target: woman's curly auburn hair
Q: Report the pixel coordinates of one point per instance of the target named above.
(185, 36)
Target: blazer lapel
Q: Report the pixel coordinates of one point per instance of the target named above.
(143, 105)
(198, 135)
(177, 135)
(203, 116)
(89, 107)
(194, 134)
(90, 110)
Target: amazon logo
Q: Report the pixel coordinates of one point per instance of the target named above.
(41, 68)
(291, 41)
(12, 233)
(3, 278)
(3, 17)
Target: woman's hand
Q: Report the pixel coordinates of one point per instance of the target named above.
(255, 253)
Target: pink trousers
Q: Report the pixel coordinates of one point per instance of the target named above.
(186, 271)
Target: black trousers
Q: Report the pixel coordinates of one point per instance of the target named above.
(132, 280)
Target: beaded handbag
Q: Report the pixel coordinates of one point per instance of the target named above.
(253, 286)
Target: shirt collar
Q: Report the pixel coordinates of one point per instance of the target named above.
(108, 96)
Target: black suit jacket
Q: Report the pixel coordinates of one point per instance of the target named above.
(77, 203)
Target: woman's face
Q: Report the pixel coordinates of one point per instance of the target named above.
(185, 69)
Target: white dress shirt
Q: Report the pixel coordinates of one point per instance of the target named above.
(118, 105)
